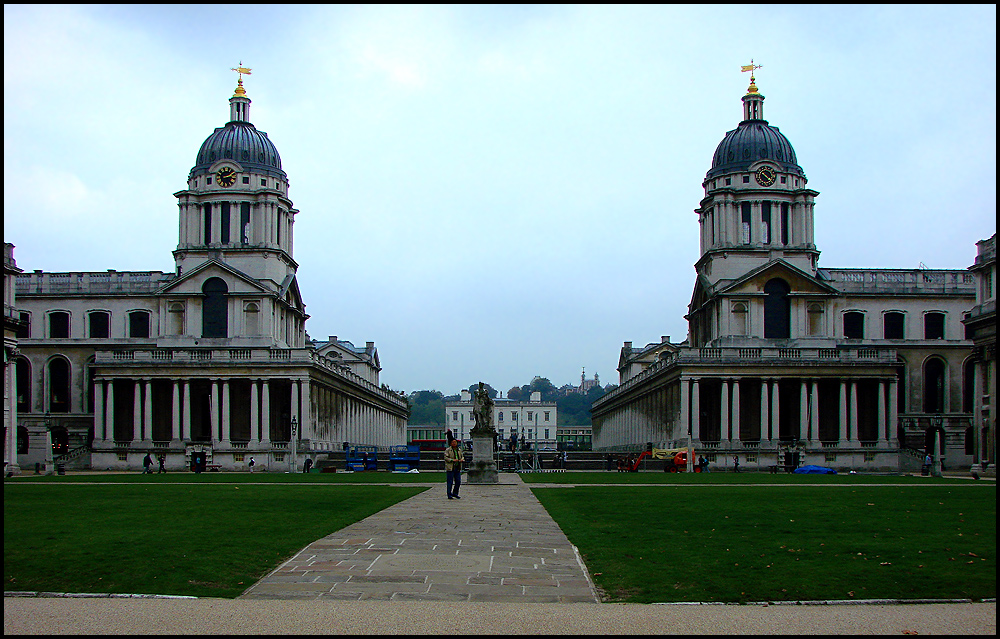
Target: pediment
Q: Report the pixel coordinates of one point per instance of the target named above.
(191, 283)
(800, 282)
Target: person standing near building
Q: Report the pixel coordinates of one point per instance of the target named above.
(453, 458)
(251, 464)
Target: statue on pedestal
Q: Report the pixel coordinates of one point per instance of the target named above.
(483, 469)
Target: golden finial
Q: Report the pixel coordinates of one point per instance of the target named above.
(240, 69)
(750, 67)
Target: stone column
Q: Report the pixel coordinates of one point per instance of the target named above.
(307, 428)
(225, 412)
(186, 411)
(137, 413)
(685, 416)
(265, 418)
(804, 409)
(893, 422)
(109, 411)
(775, 410)
(814, 411)
(99, 432)
(695, 409)
(724, 415)
(853, 428)
(147, 413)
(254, 411)
(175, 412)
(214, 411)
(843, 413)
(882, 436)
(765, 425)
(736, 434)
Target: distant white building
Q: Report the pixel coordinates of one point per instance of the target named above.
(533, 420)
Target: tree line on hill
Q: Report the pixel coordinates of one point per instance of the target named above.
(573, 407)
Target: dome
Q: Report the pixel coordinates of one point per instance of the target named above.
(752, 141)
(242, 142)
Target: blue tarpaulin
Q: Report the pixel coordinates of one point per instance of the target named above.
(815, 470)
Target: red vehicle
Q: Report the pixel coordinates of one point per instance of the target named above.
(430, 445)
(675, 460)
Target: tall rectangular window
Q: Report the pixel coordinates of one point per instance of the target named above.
(934, 326)
(244, 222)
(138, 324)
(892, 324)
(224, 225)
(207, 222)
(100, 324)
(58, 324)
(854, 325)
(784, 224)
(24, 327)
(745, 230)
(765, 222)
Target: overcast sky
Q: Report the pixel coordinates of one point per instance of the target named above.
(494, 193)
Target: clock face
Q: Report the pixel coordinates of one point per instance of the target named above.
(765, 176)
(226, 176)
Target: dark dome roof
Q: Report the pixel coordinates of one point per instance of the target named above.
(242, 142)
(752, 141)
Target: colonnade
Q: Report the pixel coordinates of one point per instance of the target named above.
(681, 407)
(324, 415)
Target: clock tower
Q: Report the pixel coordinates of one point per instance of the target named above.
(235, 209)
(756, 208)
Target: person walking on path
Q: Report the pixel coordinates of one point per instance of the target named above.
(251, 464)
(162, 460)
(147, 464)
(453, 458)
(736, 463)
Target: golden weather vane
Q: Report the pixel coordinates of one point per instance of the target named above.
(241, 70)
(751, 67)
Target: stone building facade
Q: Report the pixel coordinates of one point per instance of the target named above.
(211, 358)
(788, 363)
(981, 321)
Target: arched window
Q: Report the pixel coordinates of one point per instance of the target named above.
(854, 325)
(251, 315)
(99, 324)
(215, 309)
(934, 326)
(815, 312)
(176, 319)
(59, 385)
(892, 325)
(23, 372)
(934, 385)
(138, 324)
(59, 324)
(777, 309)
(740, 323)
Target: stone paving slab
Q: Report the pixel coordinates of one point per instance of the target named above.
(496, 544)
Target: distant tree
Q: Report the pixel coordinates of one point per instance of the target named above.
(492, 392)
(426, 407)
(574, 410)
(545, 387)
(593, 393)
(515, 394)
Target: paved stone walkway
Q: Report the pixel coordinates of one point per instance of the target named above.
(496, 544)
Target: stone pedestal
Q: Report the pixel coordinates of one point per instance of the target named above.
(483, 468)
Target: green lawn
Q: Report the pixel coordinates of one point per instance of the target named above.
(238, 478)
(209, 541)
(660, 477)
(647, 544)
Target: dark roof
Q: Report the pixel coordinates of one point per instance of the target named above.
(752, 141)
(242, 142)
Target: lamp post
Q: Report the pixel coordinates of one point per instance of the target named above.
(294, 444)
